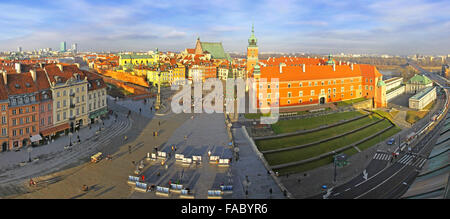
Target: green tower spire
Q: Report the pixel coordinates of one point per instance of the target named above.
(252, 40)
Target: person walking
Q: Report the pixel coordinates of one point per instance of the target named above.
(143, 178)
(129, 149)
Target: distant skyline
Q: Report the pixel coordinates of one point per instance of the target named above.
(401, 27)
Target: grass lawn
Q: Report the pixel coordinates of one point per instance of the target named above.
(384, 136)
(394, 113)
(277, 143)
(327, 160)
(255, 115)
(258, 115)
(385, 114)
(285, 126)
(350, 102)
(316, 150)
(413, 116)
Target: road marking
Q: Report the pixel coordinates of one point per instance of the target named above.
(381, 183)
(347, 189)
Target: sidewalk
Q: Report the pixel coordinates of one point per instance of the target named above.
(11, 159)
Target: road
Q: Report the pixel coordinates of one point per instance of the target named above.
(386, 178)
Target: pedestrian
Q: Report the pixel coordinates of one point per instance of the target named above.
(143, 178)
(129, 149)
(209, 153)
(270, 191)
(159, 123)
(172, 148)
(140, 110)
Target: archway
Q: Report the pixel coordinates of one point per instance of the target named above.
(5, 146)
(322, 100)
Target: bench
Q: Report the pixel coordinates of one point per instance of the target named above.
(176, 188)
(187, 161)
(197, 159)
(214, 159)
(186, 194)
(162, 191)
(224, 162)
(214, 194)
(179, 157)
(141, 187)
(227, 189)
(132, 180)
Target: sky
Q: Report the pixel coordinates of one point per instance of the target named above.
(397, 27)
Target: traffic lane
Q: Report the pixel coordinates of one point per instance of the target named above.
(389, 184)
(401, 189)
(374, 167)
(359, 189)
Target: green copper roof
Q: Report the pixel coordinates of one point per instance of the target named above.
(420, 79)
(330, 60)
(381, 83)
(215, 49)
(136, 56)
(252, 40)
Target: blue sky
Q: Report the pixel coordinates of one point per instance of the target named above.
(319, 26)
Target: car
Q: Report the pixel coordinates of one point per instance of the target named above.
(391, 141)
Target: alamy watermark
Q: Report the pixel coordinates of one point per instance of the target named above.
(234, 99)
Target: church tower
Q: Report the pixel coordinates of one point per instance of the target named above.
(252, 52)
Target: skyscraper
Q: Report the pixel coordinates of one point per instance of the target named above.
(19, 49)
(74, 48)
(62, 46)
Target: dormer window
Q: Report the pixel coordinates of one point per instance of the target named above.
(27, 84)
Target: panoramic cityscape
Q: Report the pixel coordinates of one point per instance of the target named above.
(225, 100)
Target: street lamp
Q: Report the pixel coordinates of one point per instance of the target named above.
(29, 153)
(70, 138)
(334, 161)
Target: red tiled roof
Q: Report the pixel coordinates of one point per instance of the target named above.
(20, 84)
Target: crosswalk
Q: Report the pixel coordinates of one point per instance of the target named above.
(412, 160)
(381, 156)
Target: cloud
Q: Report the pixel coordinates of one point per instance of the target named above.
(280, 25)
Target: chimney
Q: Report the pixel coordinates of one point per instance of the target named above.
(334, 67)
(351, 66)
(33, 74)
(281, 67)
(61, 68)
(18, 67)
(5, 77)
(304, 67)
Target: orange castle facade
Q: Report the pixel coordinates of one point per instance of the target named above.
(305, 81)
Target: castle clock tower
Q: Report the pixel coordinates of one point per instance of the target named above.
(252, 52)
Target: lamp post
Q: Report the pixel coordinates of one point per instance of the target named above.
(70, 138)
(334, 161)
(29, 153)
